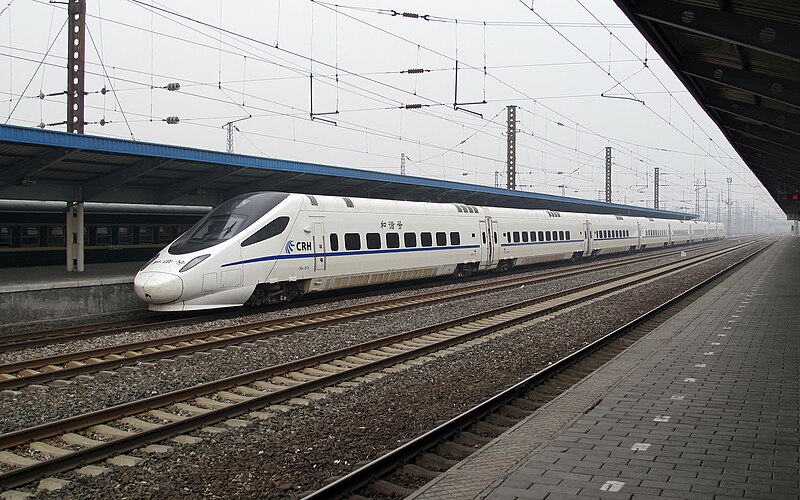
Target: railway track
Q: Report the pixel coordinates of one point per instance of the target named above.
(45, 369)
(19, 341)
(65, 444)
(400, 472)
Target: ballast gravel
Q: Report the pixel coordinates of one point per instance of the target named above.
(101, 390)
(297, 451)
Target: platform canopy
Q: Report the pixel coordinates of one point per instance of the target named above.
(740, 59)
(56, 166)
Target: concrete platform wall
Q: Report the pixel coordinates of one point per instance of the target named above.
(26, 306)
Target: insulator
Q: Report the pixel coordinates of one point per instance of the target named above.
(172, 120)
(103, 122)
(410, 14)
(42, 125)
(415, 70)
(41, 95)
(413, 106)
(172, 87)
(104, 91)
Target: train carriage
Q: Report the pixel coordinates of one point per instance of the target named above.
(268, 247)
(612, 234)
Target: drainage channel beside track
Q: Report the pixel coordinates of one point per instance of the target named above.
(94, 436)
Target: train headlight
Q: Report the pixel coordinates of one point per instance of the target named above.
(194, 262)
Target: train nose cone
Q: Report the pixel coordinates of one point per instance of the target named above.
(158, 288)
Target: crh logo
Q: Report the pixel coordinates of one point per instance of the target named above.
(300, 246)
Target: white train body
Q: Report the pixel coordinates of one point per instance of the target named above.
(268, 247)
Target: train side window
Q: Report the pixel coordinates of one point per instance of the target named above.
(164, 234)
(5, 236)
(516, 236)
(410, 240)
(508, 237)
(483, 234)
(124, 236)
(29, 236)
(441, 239)
(547, 235)
(334, 242)
(455, 238)
(274, 228)
(495, 237)
(145, 234)
(102, 235)
(392, 240)
(373, 241)
(561, 235)
(352, 241)
(541, 235)
(426, 240)
(55, 236)
(533, 235)
(524, 236)
(567, 235)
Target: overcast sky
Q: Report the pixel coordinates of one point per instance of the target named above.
(553, 62)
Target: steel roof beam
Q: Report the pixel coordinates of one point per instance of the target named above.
(117, 178)
(194, 183)
(766, 134)
(773, 37)
(772, 87)
(787, 122)
(757, 148)
(26, 168)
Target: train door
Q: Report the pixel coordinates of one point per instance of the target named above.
(488, 229)
(319, 247)
(588, 240)
(638, 235)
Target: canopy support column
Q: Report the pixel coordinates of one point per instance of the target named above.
(75, 248)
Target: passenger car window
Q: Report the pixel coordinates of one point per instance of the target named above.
(410, 240)
(426, 239)
(29, 236)
(561, 235)
(373, 241)
(455, 238)
(274, 228)
(352, 241)
(392, 240)
(524, 236)
(334, 242)
(516, 236)
(441, 239)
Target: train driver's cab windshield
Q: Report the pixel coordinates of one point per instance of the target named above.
(218, 228)
(226, 221)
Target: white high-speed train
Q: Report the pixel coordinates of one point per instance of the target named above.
(268, 247)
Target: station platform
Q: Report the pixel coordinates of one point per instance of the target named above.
(705, 406)
(51, 292)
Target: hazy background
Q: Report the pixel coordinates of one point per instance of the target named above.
(553, 62)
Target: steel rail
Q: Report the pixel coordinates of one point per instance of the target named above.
(28, 340)
(26, 474)
(391, 460)
(245, 333)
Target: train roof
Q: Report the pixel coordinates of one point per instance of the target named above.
(33, 206)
